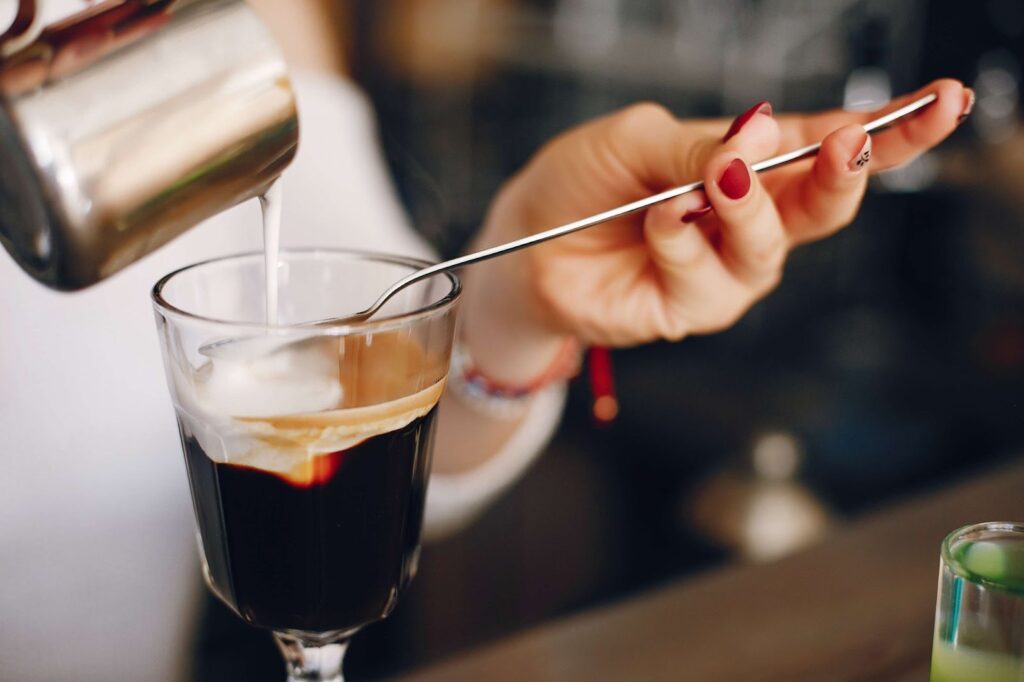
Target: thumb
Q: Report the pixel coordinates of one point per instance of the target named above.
(660, 151)
(754, 134)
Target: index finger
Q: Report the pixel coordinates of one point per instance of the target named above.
(898, 144)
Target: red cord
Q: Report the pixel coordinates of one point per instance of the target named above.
(602, 385)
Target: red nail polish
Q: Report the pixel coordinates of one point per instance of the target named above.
(735, 180)
(696, 214)
(968, 106)
(762, 107)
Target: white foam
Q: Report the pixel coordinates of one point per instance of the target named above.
(301, 377)
(282, 444)
(279, 410)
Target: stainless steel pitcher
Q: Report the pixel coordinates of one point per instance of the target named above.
(126, 124)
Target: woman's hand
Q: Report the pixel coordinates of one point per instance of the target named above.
(692, 265)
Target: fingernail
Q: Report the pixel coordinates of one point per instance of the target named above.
(735, 180)
(762, 107)
(696, 214)
(863, 155)
(969, 99)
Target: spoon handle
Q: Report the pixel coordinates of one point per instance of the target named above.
(267, 344)
(879, 123)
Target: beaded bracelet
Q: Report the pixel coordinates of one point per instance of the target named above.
(506, 400)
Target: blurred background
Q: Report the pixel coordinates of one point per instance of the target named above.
(890, 361)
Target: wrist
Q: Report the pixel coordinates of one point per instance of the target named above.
(504, 353)
(508, 401)
(502, 326)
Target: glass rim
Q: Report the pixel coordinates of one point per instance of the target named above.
(329, 328)
(963, 572)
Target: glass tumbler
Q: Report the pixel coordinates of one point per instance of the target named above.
(979, 618)
(307, 447)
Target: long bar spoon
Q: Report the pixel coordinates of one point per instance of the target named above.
(879, 123)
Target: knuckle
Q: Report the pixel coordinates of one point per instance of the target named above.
(693, 156)
(830, 224)
(736, 314)
(641, 115)
(831, 208)
(771, 253)
(770, 282)
(726, 316)
(690, 255)
(677, 330)
(761, 260)
(722, 322)
(733, 316)
(846, 217)
(674, 328)
(550, 294)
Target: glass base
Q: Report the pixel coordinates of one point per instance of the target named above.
(316, 658)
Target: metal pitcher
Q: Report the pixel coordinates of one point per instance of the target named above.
(124, 125)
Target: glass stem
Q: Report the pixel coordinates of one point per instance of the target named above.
(312, 663)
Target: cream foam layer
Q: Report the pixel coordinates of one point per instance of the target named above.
(279, 410)
(302, 436)
(282, 444)
(299, 377)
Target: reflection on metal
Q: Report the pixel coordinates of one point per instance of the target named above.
(587, 29)
(996, 115)
(915, 176)
(126, 124)
(761, 512)
(867, 88)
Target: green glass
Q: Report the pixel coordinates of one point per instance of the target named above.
(979, 618)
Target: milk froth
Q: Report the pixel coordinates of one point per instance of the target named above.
(312, 397)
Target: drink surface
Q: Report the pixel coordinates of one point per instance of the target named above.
(998, 561)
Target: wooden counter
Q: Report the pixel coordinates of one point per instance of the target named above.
(858, 606)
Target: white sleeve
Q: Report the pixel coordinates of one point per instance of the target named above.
(455, 500)
(338, 193)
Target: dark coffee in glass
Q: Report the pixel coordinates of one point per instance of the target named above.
(307, 447)
(329, 547)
